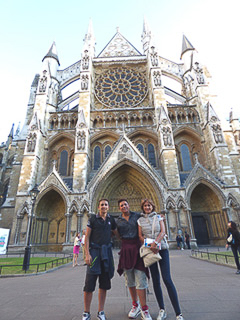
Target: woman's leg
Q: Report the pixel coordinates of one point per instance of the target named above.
(235, 253)
(156, 284)
(165, 271)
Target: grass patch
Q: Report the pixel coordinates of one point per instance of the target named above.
(37, 264)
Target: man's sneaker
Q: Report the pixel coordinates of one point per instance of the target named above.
(162, 315)
(86, 316)
(135, 311)
(180, 317)
(145, 315)
(101, 315)
(238, 272)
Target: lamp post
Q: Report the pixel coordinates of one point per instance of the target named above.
(33, 193)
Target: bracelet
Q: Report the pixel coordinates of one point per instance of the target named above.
(156, 242)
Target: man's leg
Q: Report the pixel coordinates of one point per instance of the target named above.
(142, 296)
(87, 301)
(133, 293)
(101, 299)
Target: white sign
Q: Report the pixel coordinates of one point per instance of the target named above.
(4, 234)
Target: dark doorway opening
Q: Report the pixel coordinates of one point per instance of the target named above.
(200, 229)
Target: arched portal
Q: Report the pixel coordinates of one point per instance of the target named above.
(130, 183)
(50, 223)
(209, 221)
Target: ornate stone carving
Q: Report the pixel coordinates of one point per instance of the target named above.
(85, 60)
(167, 139)
(157, 78)
(154, 57)
(199, 74)
(217, 133)
(84, 82)
(43, 82)
(31, 144)
(81, 140)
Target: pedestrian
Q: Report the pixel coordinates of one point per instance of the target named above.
(179, 240)
(99, 258)
(151, 221)
(76, 248)
(233, 240)
(130, 263)
(187, 240)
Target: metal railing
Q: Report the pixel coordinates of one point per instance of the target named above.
(222, 258)
(38, 267)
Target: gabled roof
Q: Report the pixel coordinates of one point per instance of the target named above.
(119, 46)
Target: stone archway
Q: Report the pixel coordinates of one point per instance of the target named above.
(209, 220)
(49, 226)
(130, 183)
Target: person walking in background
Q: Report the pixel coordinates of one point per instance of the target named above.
(233, 240)
(187, 240)
(76, 248)
(130, 262)
(99, 258)
(148, 223)
(179, 240)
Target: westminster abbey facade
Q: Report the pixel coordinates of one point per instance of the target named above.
(137, 126)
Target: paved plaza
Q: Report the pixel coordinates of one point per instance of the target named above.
(206, 291)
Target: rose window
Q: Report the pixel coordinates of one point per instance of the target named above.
(120, 88)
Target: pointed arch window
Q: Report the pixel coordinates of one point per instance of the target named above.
(97, 158)
(151, 155)
(107, 151)
(140, 148)
(63, 163)
(185, 157)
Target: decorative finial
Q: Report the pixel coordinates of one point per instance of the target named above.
(117, 29)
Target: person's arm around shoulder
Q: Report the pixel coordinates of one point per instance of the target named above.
(88, 258)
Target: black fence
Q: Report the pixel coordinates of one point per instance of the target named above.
(223, 258)
(37, 267)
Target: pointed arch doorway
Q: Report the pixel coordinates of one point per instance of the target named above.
(49, 228)
(130, 182)
(209, 220)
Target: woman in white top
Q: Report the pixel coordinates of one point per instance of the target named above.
(76, 247)
(145, 223)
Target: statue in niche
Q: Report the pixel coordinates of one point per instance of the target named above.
(157, 78)
(32, 139)
(85, 60)
(81, 140)
(43, 82)
(217, 133)
(167, 139)
(154, 57)
(84, 83)
(199, 73)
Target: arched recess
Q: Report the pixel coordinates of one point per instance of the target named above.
(127, 180)
(208, 218)
(49, 225)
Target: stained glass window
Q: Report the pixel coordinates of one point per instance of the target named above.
(151, 155)
(97, 157)
(63, 163)
(186, 160)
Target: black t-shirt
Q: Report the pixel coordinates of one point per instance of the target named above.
(128, 229)
(101, 229)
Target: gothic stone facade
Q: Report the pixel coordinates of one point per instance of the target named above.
(123, 134)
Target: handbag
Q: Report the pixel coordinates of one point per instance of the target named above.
(79, 243)
(230, 239)
(149, 257)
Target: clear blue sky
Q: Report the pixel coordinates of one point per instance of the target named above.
(28, 28)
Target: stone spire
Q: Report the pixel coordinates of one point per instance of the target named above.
(52, 53)
(89, 39)
(146, 36)
(186, 45)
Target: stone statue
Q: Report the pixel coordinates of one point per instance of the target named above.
(84, 83)
(43, 82)
(85, 60)
(157, 78)
(81, 140)
(199, 73)
(167, 139)
(154, 57)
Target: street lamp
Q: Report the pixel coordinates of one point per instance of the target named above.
(26, 260)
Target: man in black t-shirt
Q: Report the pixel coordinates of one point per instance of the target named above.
(99, 258)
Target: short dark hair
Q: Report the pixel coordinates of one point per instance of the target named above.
(149, 201)
(103, 200)
(233, 225)
(121, 200)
